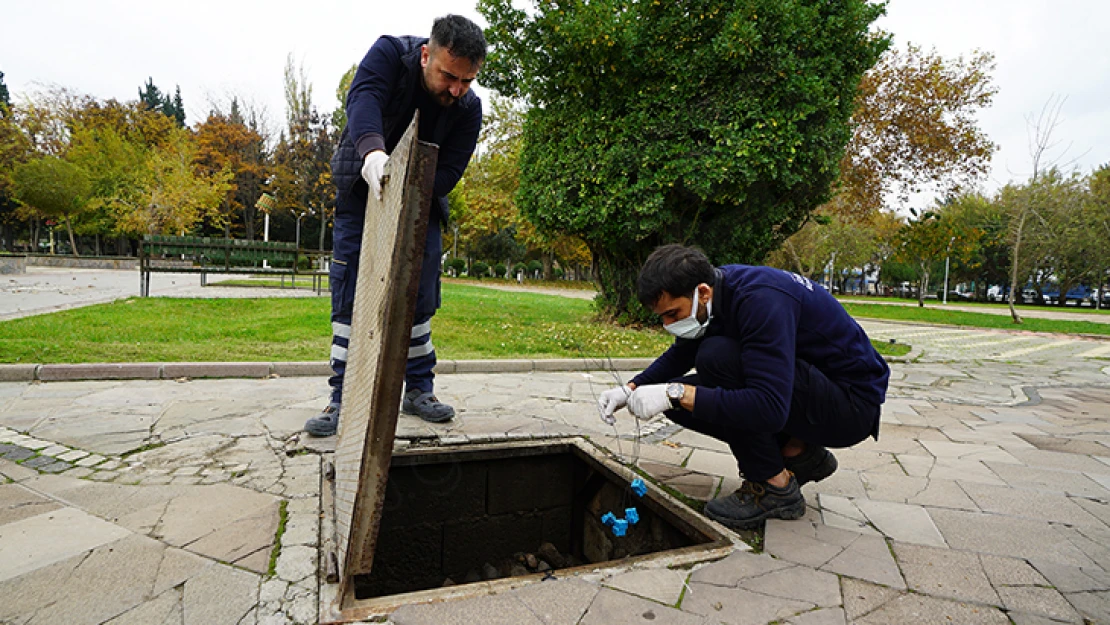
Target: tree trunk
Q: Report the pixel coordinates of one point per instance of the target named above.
(616, 277)
(1014, 269)
(548, 259)
(922, 285)
(35, 237)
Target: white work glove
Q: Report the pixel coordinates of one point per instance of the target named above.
(611, 401)
(648, 401)
(373, 168)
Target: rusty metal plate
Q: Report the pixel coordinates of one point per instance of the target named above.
(385, 298)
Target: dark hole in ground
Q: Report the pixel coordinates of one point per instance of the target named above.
(464, 517)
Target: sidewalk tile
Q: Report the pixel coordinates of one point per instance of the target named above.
(861, 598)
(492, 609)
(737, 606)
(1029, 504)
(1006, 536)
(163, 609)
(17, 503)
(1003, 571)
(557, 602)
(902, 522)
(662, 585)
(868, 558)
(798, 583)
(219, 594)
(922, 609)
(713, 463)
(738, 566)
(44, 539)
(945, 573)
(824, 616)
(1035, 600)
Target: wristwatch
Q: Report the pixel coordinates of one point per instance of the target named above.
(675, 392)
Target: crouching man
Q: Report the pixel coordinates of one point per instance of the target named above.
(782, 373)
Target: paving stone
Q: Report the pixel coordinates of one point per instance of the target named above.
(695, 485)
(861, 598)
(891, 487)
(202, 510)
(109, 581)
(662, 585)
(557, 602)
(868, 558)
(713, 463)
(38, 462)
(90, 460)
(44, 539)
(798, 541)
(78, 472)
(165, 609)
(219, 594)
(35, 444)
(17, 503)
(55, 450)
(824, 616)
(736, 606)
(1029, 504)
(1092, 605)
(1060, 460)
(913, 608)
(798, 583)
(493, 609)
(939, 493)
(56, 467)
(1003, 571)
(736, 567)
(945, 573)
(296, 563)
(843, 483)
(240, 538)
(1070, 579)
(17, 454)
(1006, 536)
(902, 522)
(176, 567)
(1052, 480)
(842, 513)
(1035, 600)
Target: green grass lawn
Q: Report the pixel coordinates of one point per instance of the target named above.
(476, 323)
(973, 319)
(999, 307)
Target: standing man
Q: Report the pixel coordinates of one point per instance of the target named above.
(398, 76)
(782, 373)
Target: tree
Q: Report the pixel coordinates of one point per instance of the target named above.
(225, 143)
(914, 126)
(5, 97)
(152, 98)
(301, 178)
(990, 259)
(714, 122)
(926, 240)
(339, 115)
(54, 188)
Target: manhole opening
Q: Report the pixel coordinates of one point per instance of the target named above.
(451, 517)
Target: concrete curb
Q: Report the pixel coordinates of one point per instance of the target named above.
(176, 370)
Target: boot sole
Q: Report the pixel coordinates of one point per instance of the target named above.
(416, 413)
(788, 513)
(319, 432)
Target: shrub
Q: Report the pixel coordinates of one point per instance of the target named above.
(479, 269)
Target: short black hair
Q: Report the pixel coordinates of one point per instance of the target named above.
(460, 36)
(675, 269)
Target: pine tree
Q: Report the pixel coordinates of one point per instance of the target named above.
(151, 96)
(5, 99)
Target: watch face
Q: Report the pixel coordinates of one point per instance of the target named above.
(675, 391)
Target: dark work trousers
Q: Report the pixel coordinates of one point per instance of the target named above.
(349, 220)
(821, 411)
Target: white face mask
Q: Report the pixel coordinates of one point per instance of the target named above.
(690, 327)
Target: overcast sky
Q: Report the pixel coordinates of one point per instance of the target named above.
(108, 48)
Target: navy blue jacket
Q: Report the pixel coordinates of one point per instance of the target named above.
(776, 317)
(386, 90)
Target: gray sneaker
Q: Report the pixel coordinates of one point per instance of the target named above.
(425, 405)
(324, 424)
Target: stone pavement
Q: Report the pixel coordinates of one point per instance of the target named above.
(985, 500)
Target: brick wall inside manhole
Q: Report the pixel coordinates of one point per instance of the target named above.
(465, 516)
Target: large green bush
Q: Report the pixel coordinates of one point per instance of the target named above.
(711, 122)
